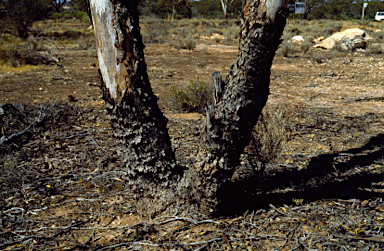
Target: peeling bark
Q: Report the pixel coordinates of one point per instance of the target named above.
(140, 127)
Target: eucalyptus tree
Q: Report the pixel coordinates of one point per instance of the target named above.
(159, 184)
(58, 4)
(18, 16)
(226, 4)
(311, 5)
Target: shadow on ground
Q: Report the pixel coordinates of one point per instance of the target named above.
(344, 175)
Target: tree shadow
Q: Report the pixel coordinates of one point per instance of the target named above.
(341, 175)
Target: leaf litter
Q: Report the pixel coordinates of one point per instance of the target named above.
(63, 184)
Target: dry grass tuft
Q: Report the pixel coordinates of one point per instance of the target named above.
(268, 137)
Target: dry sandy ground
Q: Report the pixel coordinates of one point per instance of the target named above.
(332, 162)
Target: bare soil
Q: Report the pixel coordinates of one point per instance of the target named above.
(63, 185)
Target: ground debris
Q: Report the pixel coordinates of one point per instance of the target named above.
(64, 187)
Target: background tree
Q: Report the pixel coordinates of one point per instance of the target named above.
(58, 4)
(373, 7)
(19, 15)
(214, 9)
(311, 5)
(226, 4)
(165, 8)
(139, 126)
(207, 8)
(346, 9)
(81, 5)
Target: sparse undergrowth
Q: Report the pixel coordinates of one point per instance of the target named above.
(65, 188)
(195, 96)
(268, 137)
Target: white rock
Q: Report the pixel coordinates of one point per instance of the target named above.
(317, 40)
(297, 39)
(349, 40)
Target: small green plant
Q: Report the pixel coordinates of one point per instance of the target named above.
(67, 16)
(194, 97)
(56, 16)
(85, 19)
(80, 14)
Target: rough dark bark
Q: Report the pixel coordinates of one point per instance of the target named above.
(246, 86)
(140, 127)
(237, 106)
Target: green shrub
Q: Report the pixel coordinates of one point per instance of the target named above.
(80, 14)
(67, 16)
(85, 19)
(56, 16)
(194, 97)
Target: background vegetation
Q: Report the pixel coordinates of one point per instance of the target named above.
(183, 24)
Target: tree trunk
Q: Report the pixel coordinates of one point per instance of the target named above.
(140, 127)
(224, 5)
(238, 102)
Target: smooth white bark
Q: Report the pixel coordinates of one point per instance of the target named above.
(105, 40)
(225, 5)
(273, 6)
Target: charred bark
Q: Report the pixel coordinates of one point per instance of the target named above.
(246, 87)
(239, 101)
(140, 127)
